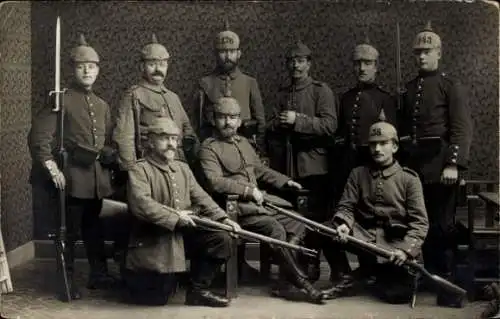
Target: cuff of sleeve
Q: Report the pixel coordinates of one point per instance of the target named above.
(452, 154)
(247, 192)
(299, 122)
(342, 219)
(171, 220)
(220, 215)
(410, 246)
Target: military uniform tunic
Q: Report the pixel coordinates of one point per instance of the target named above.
(313, 130)
(359, 108)
(435, 105)
(233, 167)
(375, 198)
(152, 101)
(155, 244)
(238, 85)
(87, 126)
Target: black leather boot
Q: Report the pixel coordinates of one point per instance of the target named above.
(203, 297)
(297, 276)
(445, 299)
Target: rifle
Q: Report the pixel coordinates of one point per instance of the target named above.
(60, 237)
(113, 207)
(290, 171)
(136, 111)
(373, 249)
(398, 67)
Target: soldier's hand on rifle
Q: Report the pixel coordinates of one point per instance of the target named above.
(449, 175)
(257, 196)
(398, 257)
(342, 231)
(293, 184)
(56, 174)
(288, 117)
(185, 219)
(236, 227)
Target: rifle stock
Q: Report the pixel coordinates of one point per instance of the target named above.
(121, 207)
(371, 248)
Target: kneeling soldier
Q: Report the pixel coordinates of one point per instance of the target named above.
(160, 237)
(231, 166)
(382, 203)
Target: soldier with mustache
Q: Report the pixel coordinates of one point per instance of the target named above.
(359, 108)
(228, 80)
(301, 128)
(160, 237)
(146, 101)
(231, 166)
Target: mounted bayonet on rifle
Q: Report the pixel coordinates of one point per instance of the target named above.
(60, 237)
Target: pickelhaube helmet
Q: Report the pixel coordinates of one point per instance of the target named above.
(427, 39)
(298, 49)
(365, 51)
(227, 39)
(83, 52)
(382, 130)
(227, 105)
(154, 51)
(163, 125)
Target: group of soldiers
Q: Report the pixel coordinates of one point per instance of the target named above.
(364, 179)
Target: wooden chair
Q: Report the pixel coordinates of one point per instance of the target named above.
(477, 262)
(265, 252)
(110, 211)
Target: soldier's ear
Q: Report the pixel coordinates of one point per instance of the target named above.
(395, 146)
(239, 54)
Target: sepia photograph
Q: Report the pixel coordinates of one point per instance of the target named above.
(301, 159)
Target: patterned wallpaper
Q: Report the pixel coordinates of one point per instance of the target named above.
(330, 28)
(15, 115)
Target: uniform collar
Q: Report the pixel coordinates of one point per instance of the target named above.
(366, 86)
(78, 88)
(302, 83)
(233, 74)
(424, 74)
(387, 171)
(233, 140)
(164, 166)
(153, 87)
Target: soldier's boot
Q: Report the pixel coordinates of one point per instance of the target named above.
(99, 278)
(446, 299)
(70, 270)
(202, 275)
(298, 277)
(310, 264)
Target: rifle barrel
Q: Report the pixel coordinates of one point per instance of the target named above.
(369, 247)
(252, 235)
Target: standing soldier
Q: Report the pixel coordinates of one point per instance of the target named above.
(436, 117)
(86, 178)
(304, 122)
(228, 80)
(144, 102)
(359, 108)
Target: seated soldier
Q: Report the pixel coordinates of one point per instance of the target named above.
(231, 166)
(157, 186)
(382, 203)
